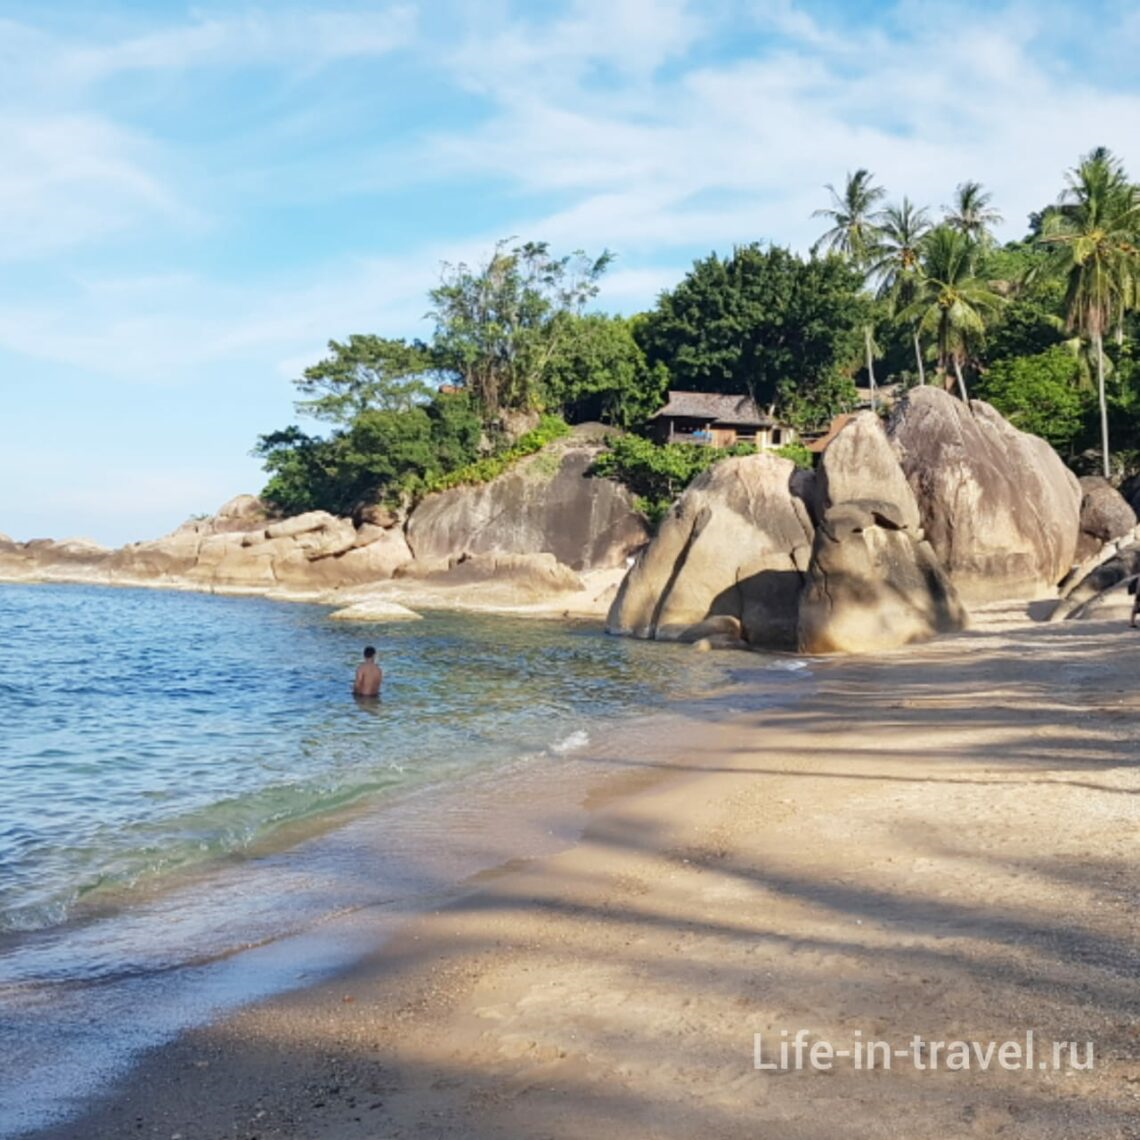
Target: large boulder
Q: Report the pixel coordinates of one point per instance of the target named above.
(873, 582)
(1105, 515)
(546, 503)
(872, 585)
(860, 464)
(241, 513)
(998, 506)
(729, 559)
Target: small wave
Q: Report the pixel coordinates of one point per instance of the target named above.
(571, 743)
(789, 666)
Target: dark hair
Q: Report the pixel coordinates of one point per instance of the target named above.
(369, 651)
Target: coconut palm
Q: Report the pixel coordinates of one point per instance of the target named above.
(896, 261)
(853, 234)
(971, 213)
(952, 304)
(1092, 236)
(854, 216)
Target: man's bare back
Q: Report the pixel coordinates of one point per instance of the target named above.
(369, 676)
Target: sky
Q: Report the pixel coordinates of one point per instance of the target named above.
(194, 199)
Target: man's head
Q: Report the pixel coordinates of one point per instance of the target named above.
(369, 653)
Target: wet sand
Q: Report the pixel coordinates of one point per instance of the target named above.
(941, 842)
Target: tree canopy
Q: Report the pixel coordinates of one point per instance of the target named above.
(1037, 326)
(765, 323)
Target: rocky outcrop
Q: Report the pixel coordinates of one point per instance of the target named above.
(545, 504)
(1105, 515)
(999, 508)
(728, 561)
(873, 583)
(235, 551)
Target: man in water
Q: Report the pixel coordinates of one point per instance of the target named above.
(368, 676)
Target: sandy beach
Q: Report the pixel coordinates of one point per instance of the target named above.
(941, 842)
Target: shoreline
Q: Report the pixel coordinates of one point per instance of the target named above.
(939, 841)
(521, 807)
(591, 604)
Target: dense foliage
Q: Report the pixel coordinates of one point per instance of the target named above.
(892, 295)
(765, 323)
(658, 473)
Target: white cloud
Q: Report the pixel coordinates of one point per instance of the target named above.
(925, 108)
(69, 178)
(284, 38)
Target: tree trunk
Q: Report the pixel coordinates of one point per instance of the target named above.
(918, 359)
(1099, 345)
(961, 382)
(870, 363)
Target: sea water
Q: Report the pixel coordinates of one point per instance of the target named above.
(190, 796)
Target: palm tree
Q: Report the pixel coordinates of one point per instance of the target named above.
(854, 217)
(896, 261)
(1092, 235)
(971, 213)
(952, 303)
(853, 235)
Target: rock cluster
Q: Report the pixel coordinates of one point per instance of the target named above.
(874, 582)
(899, 528)
(727, 561)
(514, 541)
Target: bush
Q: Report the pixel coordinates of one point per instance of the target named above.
(491, 467)
(1037, 394)
(798, 453)
(658, 473)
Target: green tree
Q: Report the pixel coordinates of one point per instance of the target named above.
(854, 215)
(952, 304)
(1032, 320)
(496, 325)
(303, 470)
(971, 213)
(854, 234)
(762, 323)
(896, 262)
(600, 373)
(1093, 238)
(364, 373)
(1037, 394)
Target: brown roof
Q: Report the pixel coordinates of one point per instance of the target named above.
(834, 428)
(714, 407)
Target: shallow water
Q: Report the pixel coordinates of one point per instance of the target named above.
(172, 767)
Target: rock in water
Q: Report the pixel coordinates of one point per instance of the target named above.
(998, 506)
(728, 561)
(873, 583)
(1105, 515)
(544, 504)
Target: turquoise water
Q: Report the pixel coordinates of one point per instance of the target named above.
(143, 731)
(169, 764)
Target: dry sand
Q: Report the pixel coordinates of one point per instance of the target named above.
(940, 842)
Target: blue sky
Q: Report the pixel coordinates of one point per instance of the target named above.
(195, 199)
